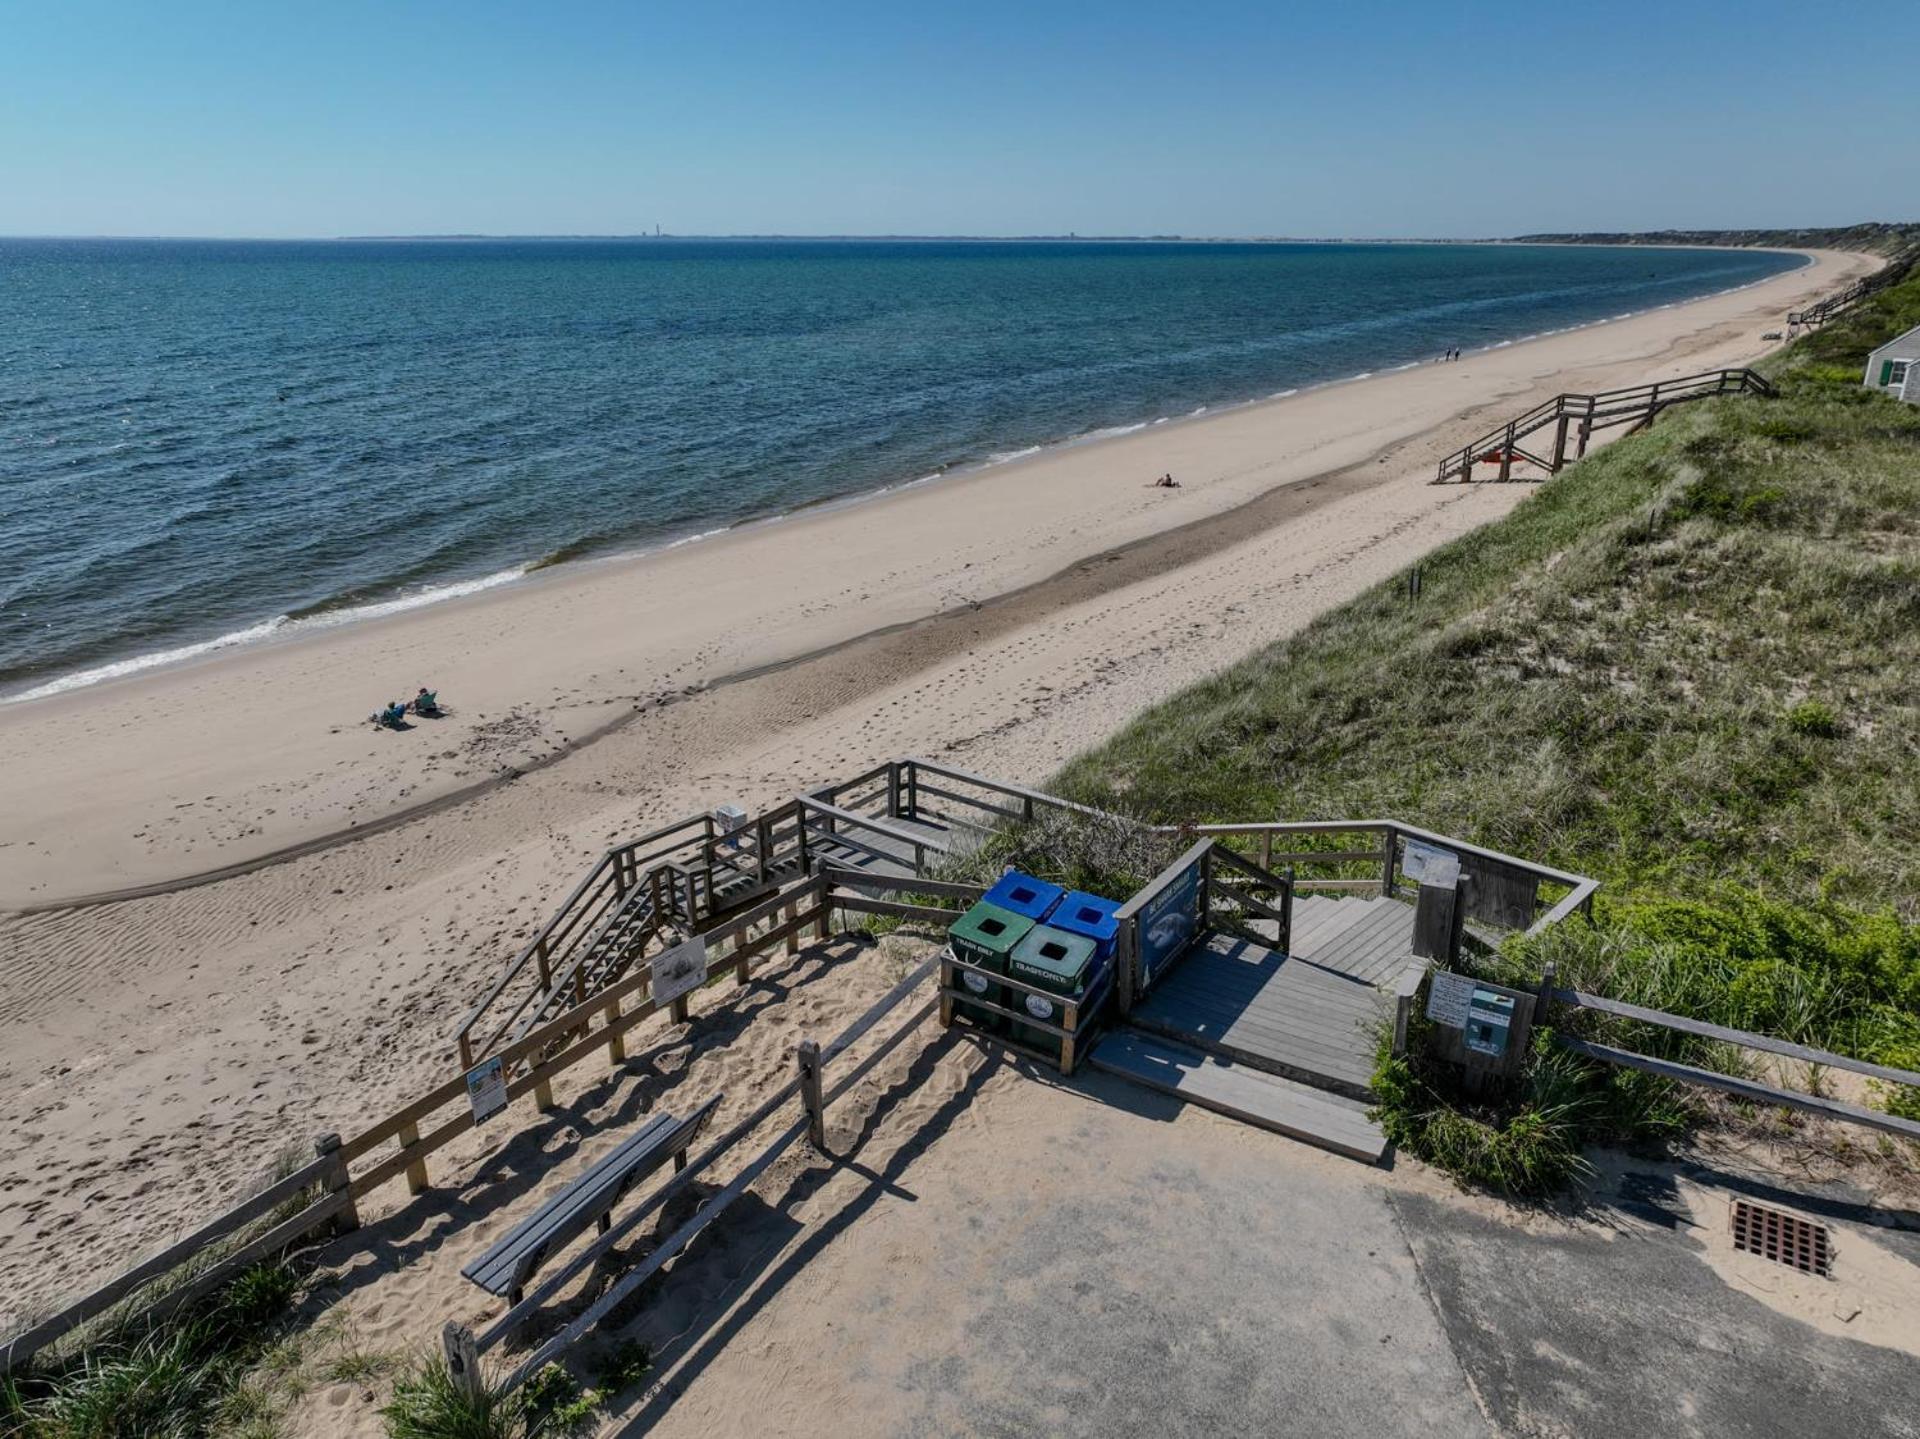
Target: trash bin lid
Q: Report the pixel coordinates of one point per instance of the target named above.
(1023, 894)
(989, 927)
(1088, 914)
(1053, 958)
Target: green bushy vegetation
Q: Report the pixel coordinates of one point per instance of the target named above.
(184, 1376)
(427, 1404)
(1686, 666)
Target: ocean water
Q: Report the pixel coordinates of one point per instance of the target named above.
(204, 443)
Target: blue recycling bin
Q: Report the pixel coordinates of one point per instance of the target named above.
(1024, 895)
(1093, 916)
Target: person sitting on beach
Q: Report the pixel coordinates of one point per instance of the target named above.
(393, 715)
(1166, 482)
(426, 702)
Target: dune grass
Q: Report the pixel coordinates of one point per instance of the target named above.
(1685, 665)
(185, 1375)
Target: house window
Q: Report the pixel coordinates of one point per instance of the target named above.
(1897, 373)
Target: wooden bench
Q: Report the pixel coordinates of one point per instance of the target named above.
(509, 1264)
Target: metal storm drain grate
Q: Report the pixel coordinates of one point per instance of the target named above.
(1784, 1238)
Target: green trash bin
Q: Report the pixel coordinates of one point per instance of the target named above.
(986, 935)
(1058, 962)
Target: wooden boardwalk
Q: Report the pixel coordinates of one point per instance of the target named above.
(881, 854)
(1370, 939)
(1288, 1016)
(1299, 1111)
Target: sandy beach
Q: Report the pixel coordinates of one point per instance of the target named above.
(1005, 618)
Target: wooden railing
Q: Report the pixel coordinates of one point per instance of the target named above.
(680, 872)
(1636, 405)
(464, 1348)
(311, 1198)
(346, 1171)
(1503, 886)
(1890, 274)
(1744, 1088)
(683, 868)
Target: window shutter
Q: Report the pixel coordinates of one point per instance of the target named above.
(1886, 373)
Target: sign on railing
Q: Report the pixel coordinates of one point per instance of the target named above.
(1171, 916)
(679, 971)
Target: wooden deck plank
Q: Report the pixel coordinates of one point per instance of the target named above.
(1377, 921)
(1269, 1101)
(1321, 921)
(1347, 1040)
(1309, 1022)
(1282, 1015)
(1344, 1051)
(1338, 1112)
(1367, 949)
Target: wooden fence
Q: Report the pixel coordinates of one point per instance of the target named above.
(399, 1145)
(1634, 406)
(464, 1348)
(1816, 315)
(804, 852)
(1731, 1084)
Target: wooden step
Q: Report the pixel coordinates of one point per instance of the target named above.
(1252, 1096)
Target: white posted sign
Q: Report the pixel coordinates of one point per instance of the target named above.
(678, 970)
(487, 1089)
(1429, 864)
(1449, 999)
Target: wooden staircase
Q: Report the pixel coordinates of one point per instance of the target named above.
(1635, 407)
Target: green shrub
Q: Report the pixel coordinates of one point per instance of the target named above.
(1524, 1141)
(172, 1377)
(428, 1404)
(1815, 718)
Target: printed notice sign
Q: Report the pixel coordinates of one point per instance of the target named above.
(678, 970)
(1429, 864)
(487, 1089)
(1449, 999)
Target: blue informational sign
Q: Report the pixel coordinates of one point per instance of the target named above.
(1169, 922)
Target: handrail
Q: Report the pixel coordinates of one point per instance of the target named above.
(861, 821)
(682, 1236)
(1594, 411)
(1581, 888)
(1745, 1039)
(1031, 797)
(621, 860)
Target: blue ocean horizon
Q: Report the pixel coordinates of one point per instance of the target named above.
(208, 442)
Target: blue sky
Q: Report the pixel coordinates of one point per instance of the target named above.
(1414, 118)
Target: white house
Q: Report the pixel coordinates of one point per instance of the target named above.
(1895, 367)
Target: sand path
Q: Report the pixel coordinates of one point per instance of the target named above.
(160, 1050)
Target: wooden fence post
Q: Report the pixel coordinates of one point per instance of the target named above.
(463, 1359)
(1392, 838)
(409, 1136)
(616, 1042)
(327, 1146)
(1506, 456)
(807, 1058)
(1547, 977)
(1560, 444)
